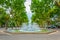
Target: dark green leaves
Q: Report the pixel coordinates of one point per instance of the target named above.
(42, 10)
(17, 12)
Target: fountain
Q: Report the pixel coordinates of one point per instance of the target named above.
(30, 27)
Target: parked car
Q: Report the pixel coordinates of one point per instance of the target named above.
(51, 26)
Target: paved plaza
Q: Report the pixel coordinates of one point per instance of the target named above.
(51, 36)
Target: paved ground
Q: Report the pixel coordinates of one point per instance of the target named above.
(52, 36)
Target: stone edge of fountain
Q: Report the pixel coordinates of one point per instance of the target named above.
(52, 31)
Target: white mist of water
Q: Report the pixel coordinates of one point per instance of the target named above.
(29, 13)
(30, 27)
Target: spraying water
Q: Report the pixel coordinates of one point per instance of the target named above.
(29, 13)
(30, 27)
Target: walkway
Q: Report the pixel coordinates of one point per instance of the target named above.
(52, 36)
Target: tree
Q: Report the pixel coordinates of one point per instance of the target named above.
(42, 11)
(17, 12)
(3, 17)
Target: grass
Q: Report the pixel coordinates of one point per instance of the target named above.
(44, 30)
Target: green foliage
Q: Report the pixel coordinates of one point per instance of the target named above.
(43, 11)
(17, 12)
(3, 17)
